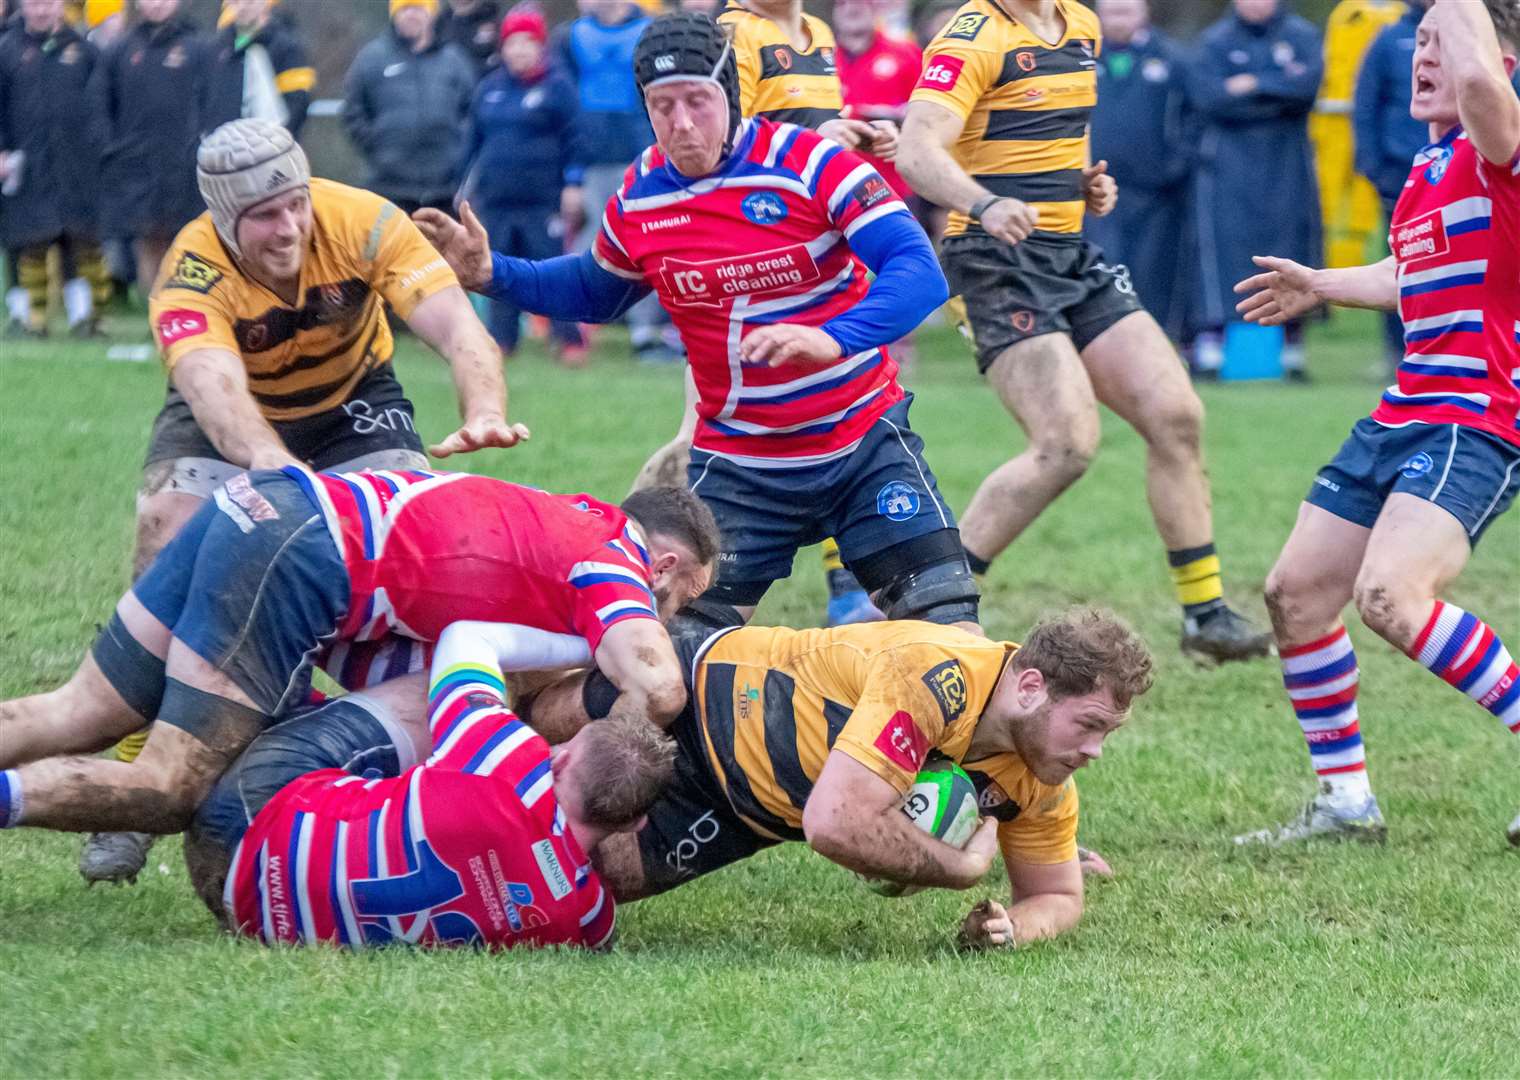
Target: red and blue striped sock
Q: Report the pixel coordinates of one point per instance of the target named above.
(10, 799)
(1321, 679)
(1464, 650)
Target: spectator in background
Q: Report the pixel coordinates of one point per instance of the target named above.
(104, 21)
(1253, 79)
(522, 127)
(876, 72)
(50, 165)
(149, 89)
(1348, 203)
(596, 52)
(406, 102)
(259, 69)
(472, 26)
(1138, 127)
(1386, 136)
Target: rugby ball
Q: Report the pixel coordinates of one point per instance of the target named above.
(941, 802)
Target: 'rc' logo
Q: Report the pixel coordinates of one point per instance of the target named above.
(1418, 465)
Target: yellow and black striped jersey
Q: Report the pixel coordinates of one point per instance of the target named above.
(305, 359)
(776, 80)
(1025, 102)
(772, 702)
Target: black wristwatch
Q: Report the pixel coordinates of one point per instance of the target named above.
(979, 207)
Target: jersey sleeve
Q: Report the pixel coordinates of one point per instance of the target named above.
(957, 70)
(598, 915)
(191, 306)
(1046, 832)
(404, 268)
(747, 58)
(608, 248)
(609, 586)
(853, 194)
(472, 729)
(897, 719)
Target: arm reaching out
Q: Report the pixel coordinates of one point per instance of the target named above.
(215, 384)
(1047, 902)
(1288, 289)
(854, 818)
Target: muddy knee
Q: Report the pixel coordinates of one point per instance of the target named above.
(1388, 608)
(1065, 459)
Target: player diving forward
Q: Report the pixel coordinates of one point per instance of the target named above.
(327, 829)
(758, 237)
(817, 735)
(997, 132)
(1392, 520)
(217, 639)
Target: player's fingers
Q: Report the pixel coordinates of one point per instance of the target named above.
(1256, 281)
(1254, 301)
(1272, 262)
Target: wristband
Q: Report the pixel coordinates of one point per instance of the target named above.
(981, 206)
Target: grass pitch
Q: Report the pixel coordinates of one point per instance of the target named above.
(1197, 959)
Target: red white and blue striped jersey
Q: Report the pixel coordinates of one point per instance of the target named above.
(1456, 238)
(468, 848)
(425, 549)
(763, 240)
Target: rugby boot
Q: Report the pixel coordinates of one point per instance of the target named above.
(1513, 832)
(1324, 820)
(1224, 635)
(114, 856)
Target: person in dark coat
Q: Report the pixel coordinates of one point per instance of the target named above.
(522, 127)
(149, 88)
(1253, 79)
(50, 164)
(473, 26)
(259, 69)
(406, 102)
(1138, 127)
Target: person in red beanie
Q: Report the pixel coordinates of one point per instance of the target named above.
(516, 155)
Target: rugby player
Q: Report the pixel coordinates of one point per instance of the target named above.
(1391, 521)
(217, 638)
(758, 237)
(482, 839)
(997, 132)
(817, 735)
(269, 311)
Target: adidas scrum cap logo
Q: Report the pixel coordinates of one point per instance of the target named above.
(276, 179)
(665, 63)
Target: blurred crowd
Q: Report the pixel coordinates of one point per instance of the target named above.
(1262, 135)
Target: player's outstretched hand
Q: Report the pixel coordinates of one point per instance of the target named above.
(1284, 292)
(987, 926)
(480, 433)
(1010, 220)
(463, 243)
(1099, 190)
(787, 343)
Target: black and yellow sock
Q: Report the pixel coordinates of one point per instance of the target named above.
(128, 749)
(1195, 576)
(841, 581)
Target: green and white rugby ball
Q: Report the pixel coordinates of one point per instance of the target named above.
(941, 802)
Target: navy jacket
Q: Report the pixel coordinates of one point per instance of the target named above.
(281, 43)
(46, 111)
(613, 128)
(149, 91)
(1255, 187)
(477, 34)
(406, 113)
(1387, 137)
(520, 141)
(1139, 122)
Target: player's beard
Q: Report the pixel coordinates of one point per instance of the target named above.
(1031, 740)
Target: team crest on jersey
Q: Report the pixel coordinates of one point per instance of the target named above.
(991, 799)
(966, 27)
(1417, 466)
(783, 57)
(764, 208)
(1440, 160)
(897, 501)
(194, 273)
(947, 682)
